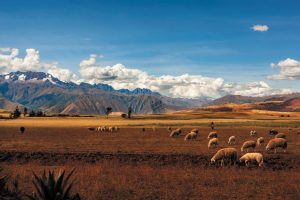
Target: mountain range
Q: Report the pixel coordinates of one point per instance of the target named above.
(42, 91)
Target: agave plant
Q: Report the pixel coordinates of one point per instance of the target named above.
(9, 194)
(53, 188)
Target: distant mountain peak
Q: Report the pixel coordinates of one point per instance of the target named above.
(42, 77)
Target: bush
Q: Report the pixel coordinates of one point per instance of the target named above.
(49, 187)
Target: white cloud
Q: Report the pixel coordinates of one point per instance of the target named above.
(119, 76)
(188, 86)
(260, 28)
(288, 69)
(10, 61)
(257, 89)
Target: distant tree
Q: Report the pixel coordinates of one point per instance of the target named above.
(16, 113)
(25, 112)
(39, 113)
(129, 112)
(108, 110)
(32, 114)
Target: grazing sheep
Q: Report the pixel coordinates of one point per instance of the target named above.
(175, 133)
(259, 141)
(280, 135)
(99, 128)
(231, 140)
(212, 143)
(195, 130)
(212, 135)
(253, 133)
(225, 154)
(111, 129)
(277, 143)
(248, 144)
(116, 128)
(22, 129)
(191, 136)
(273, 132)
(252, 157)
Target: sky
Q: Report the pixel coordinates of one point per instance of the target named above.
(184, 48)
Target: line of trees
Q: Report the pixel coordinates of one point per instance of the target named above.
(17, 113)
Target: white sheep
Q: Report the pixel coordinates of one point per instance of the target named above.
(191, 136)
(176, 132)
(250, 144)
(253, 133)
(225, 154)
(195, 130)
(212, 143)
(111, 129)
(231, 140)
(99, 128)
(212, 134)
(280, 135)
(252, 157)
(116, 128)
(259, 141)
(276, 143)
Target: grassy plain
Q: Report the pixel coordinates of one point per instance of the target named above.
(132, 164)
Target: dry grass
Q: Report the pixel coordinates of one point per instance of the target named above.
(132, 164)
(110, 180)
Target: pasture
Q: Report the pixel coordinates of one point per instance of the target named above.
(136, 164)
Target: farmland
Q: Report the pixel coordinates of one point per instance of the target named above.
(136, 164)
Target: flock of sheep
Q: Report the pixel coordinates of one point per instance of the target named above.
(230, 154)
(104, 129)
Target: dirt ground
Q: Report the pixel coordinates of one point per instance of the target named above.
(136, 164)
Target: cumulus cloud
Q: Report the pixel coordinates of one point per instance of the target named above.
(10, 61)
(260, 28)
(288, 69)
(187, 86)
(120, 76)
(257, 89)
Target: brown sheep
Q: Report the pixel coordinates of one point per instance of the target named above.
(225, 154)
(212, 135)
(280, 135)
(248, 144)
(176, 132)
(276, 143)
(191, 136)
(212, 143)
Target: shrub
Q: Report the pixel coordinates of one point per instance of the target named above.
(53, 188)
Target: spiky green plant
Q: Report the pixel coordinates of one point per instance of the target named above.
(53, 188)
(9, 194)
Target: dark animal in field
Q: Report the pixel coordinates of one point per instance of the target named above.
(273, 132)
(91, 128)
(22, 129)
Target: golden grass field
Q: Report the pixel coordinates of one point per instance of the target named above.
(132, 164)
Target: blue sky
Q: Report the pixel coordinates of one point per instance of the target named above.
(211, 38)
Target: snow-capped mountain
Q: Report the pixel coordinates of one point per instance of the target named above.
(39, 90)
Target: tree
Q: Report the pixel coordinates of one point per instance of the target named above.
(129, 112)
(32, 114)
(108, 110)
(25, 112)
(17, 113)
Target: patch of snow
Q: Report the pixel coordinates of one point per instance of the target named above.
(49, 78)
(7, 77)
(22, 77)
